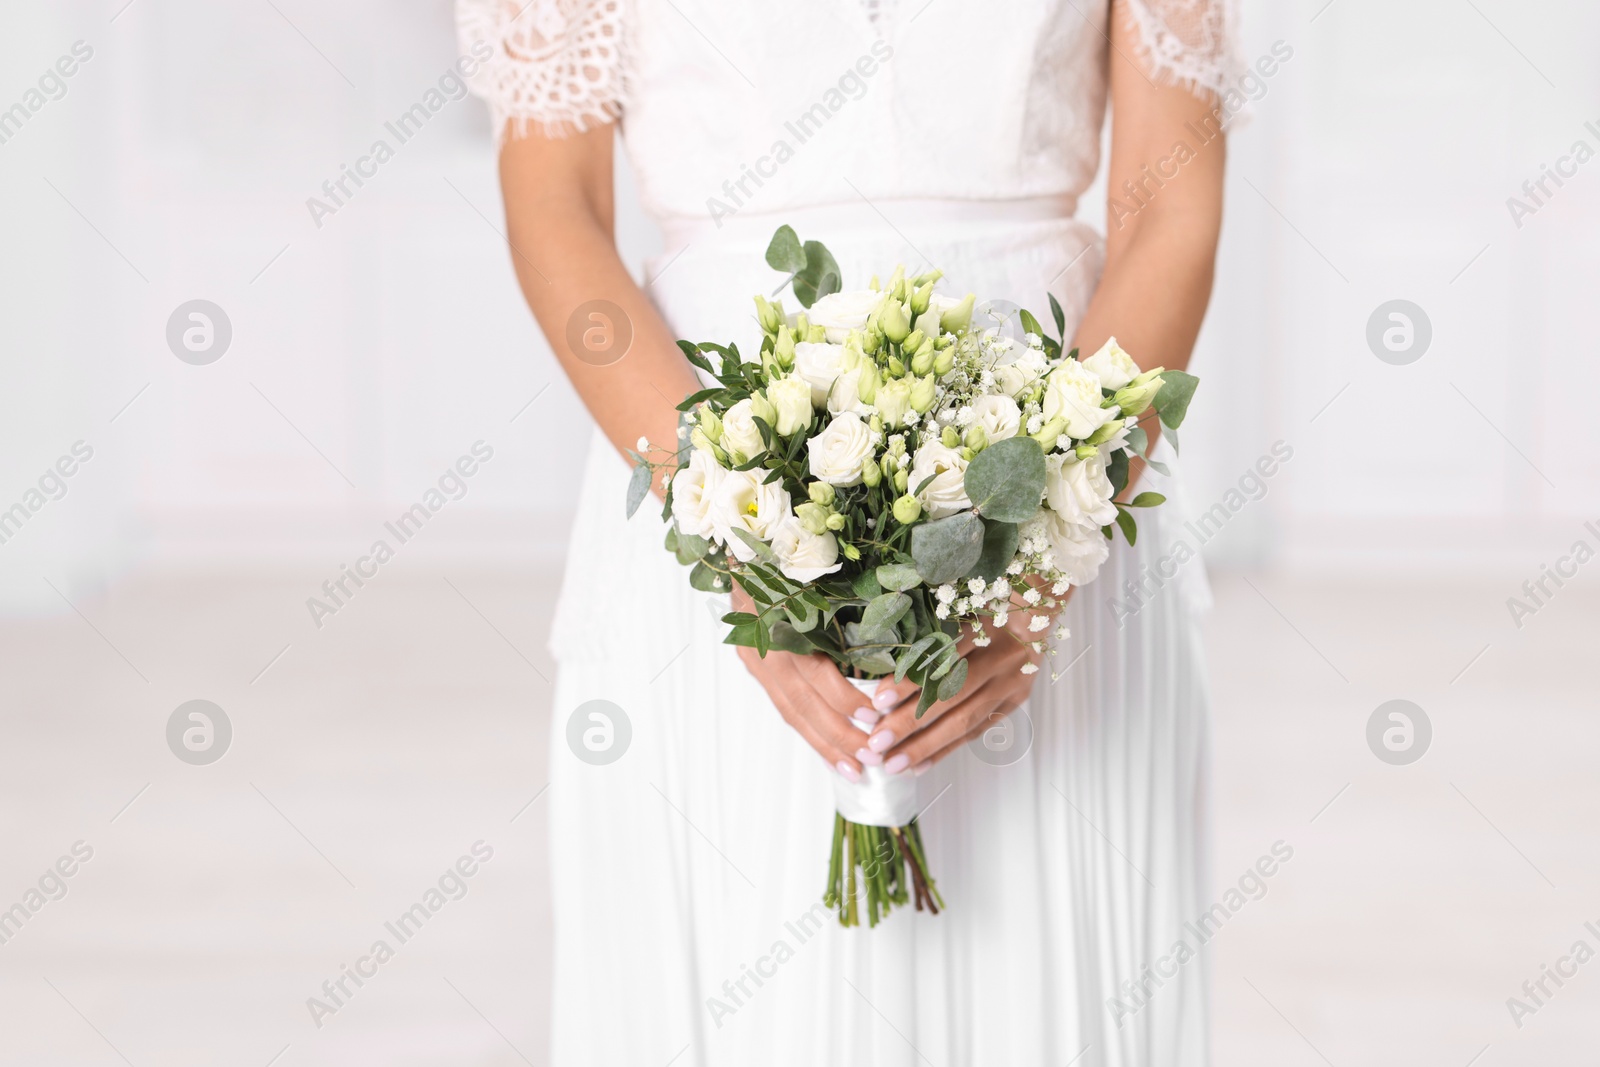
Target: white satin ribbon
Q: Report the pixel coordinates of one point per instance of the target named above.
(879, 799)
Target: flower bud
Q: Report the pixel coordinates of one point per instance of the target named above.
(967, 454)
(762, 409)
(893, 322)
(872, 343)
(1135, 397)
(814, 517)
(958, 318)
(907, 510)
(1085, 451)
(944, 361)
(892, 401)
(817, 334)
(783, 348)
(888, 465)
(976, 438)
(875, 424)
(927, 278)
(1104, 433)
(896, 368)
(920, 297)
(851, 552)
(709, 424)
(927, 322)
(897, 445)
(901, 480)
(802, 325)
(914, 340)
(923, 392)
(950, 437)
(922, 362)
(871, 474)
(820, 493)
(835, 521)
(1049, 432)
(767, 314)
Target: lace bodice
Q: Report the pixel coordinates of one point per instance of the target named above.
(770, 106)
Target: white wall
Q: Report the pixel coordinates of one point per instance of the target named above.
(393, 337)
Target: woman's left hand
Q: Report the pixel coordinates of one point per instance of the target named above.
(996, 686)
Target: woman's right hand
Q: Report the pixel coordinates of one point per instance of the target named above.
(815, 699)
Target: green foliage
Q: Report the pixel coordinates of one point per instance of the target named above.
(999, 545)
(784, 252)
(946, 549)
(1006, 480)
(1172, 402)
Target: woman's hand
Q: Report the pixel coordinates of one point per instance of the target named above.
(995, 687)
(814, 698)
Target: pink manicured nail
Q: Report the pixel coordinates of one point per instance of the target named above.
(880, 741)
(867, 716)
(897, 764)
(849, 772)
(868, 759)
(923, 767)
(885, 700)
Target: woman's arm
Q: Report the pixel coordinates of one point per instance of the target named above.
(1152, 296)
(558, 196)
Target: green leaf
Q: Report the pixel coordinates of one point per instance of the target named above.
(761, 548)
(688, 402)
(1129, 528)
(703, 577)
(819, 277)
(952, 682)
(946, 549)
(1060, 317)
(925, 700)
(690, 548)
(784, 252)
(898, 576)
(638, 487)
(918, 649)
(877, 621)
(1006, 480)
(865, 585)
(1138, 440)
(1177, 389)
(1172, 439)
(1147, 500)
(999, 545)
(786, 638)
(1031, 324)
(1117, 471)
(802, 616)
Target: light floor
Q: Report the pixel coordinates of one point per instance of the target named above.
(377, 750)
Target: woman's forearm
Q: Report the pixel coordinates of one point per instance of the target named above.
(619, 354)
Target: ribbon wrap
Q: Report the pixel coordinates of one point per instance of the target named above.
(879, 799)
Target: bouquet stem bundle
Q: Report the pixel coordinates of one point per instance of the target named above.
(889, 865)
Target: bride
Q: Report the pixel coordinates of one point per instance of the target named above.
(688, 871)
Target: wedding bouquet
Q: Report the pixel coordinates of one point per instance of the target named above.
(897, 470)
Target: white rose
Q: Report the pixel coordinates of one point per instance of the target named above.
(946, 494)
(1078, 490)
(693, 489)
(998, 415)
(1078, 551)
(1019, 375)
(839, 450)
(839, 313)
(892, 401)
(742, 502)
(1114, 367)
(740, 434)
(819, 364)
(802, 555)
(1072, 393)
(791, 398)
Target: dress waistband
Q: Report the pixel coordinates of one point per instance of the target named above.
(896, 214)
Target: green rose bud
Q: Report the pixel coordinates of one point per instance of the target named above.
(1049, 432)
(1104, 433)
(927, 323)
(892, 401)
(914, 340)
(896, 368)
(919, 298)
(709, 424)
(958, 318)
(814, 517)
(871, 343)
(1135, 397)
(802, 326)
(928, 278)
(889, 466)
(871, 474)
(762, 409)
(907, 510)
(1085, 451)
(893, 322)
(901, 480)
(967, 454)
(944, 362)
(875, 424)
(950, 437)
(820, 493)
(923, 393)
(783, 348)
(817, 334)
(767, 314)
(976, 438)
(922, 362)
(851, 552)
(835, 521)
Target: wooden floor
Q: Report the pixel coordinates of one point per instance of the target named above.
(368, 756)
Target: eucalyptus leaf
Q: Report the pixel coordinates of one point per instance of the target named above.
(786, 638)
(1006, 480)
(952, 682)
(705, 579)
(1138, 440)
(999, 545)
(898, 576)
(925, 700)
(947, 548)
(877, 621)
(784, 252)
(638, 487)
(865, 585)
(819, 277)
(1177, 389)
(802, 616)
(690, 548)
(1172, 439)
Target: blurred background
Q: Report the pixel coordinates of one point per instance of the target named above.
(1404, 300)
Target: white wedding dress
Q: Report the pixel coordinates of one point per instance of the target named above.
(688, 873)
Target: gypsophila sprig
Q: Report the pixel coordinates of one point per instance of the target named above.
(884, 476)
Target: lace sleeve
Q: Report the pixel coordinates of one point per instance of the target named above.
(1191, 44)
(556, 65)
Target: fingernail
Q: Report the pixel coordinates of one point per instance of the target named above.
(867, 716)
(897, 764)
(849, 772)
(923, 767)
(881, 740)
(869, 759)
(885, 700)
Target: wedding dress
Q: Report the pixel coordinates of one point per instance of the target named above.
(688, 872)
